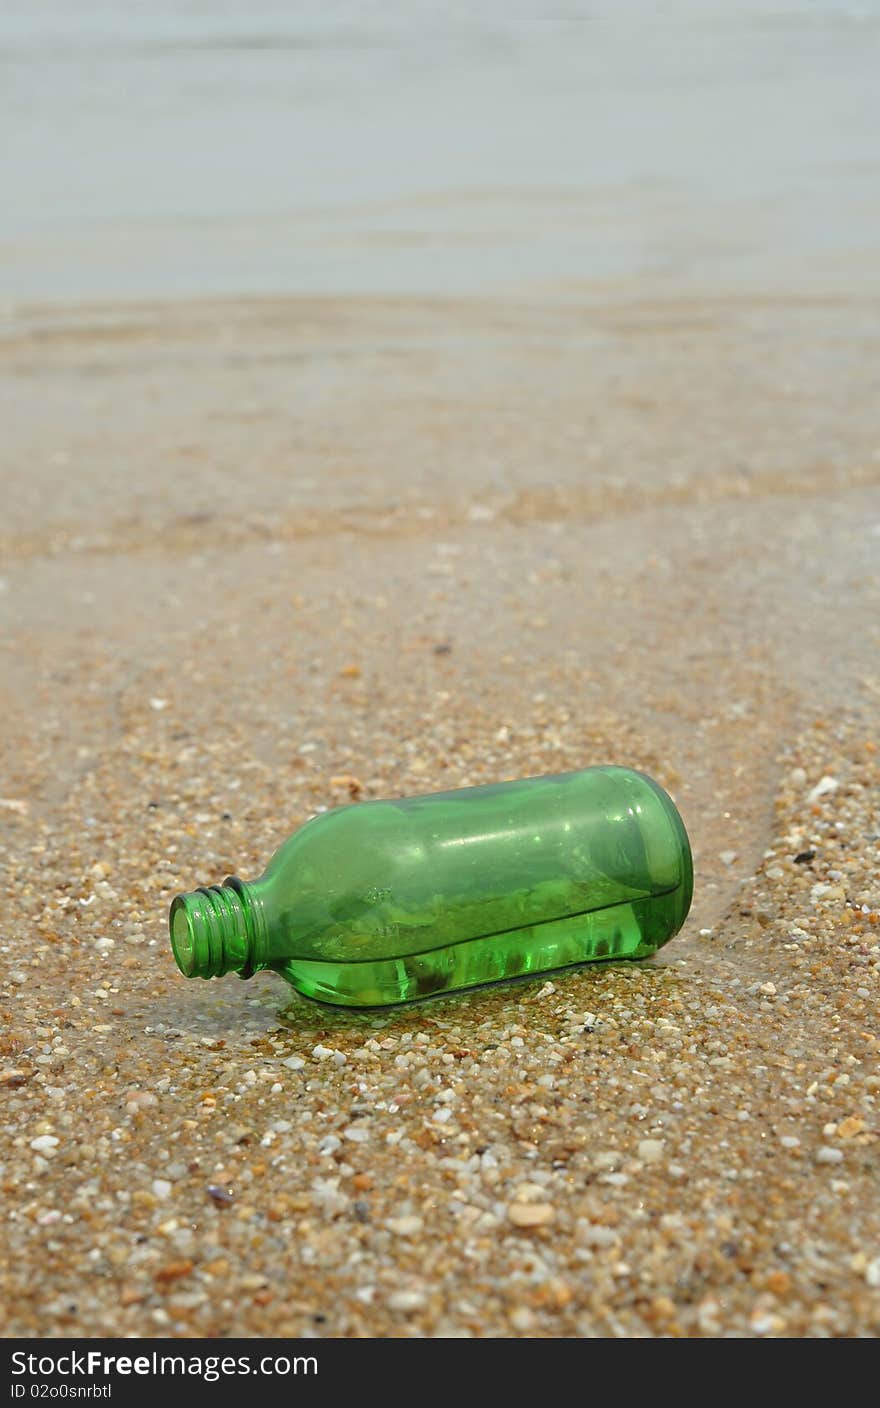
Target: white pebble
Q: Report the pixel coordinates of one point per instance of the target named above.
(825, 785)
(45, 1144)
(531, 1214)
(528, 1192)
(707, 1316)
(821, 891)
(727, 857)
(872, 1272)
(762, 1323)
(825, 1155)
(650, 1151)
(161, 1187)
(294, 1063)
(322, 1053)
(404, 1226)
(597, 1235)
(522, 1318)
(357, 1133)
(406, 1300)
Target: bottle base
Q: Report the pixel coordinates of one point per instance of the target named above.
(624, 931)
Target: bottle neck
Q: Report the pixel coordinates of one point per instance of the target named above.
(219, 929)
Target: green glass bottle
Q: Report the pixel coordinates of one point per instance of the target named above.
(382, 902)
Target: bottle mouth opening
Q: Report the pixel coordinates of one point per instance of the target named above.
(217, 929)
(182, 938)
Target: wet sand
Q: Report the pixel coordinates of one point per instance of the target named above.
(256, 554)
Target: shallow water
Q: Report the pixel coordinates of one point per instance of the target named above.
(195, 147)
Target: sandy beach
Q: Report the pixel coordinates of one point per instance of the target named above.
(356, 474)
(260, 550)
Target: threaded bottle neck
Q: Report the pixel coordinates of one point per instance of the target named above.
(218, 929)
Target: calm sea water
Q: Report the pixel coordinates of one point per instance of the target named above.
(201, 146)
